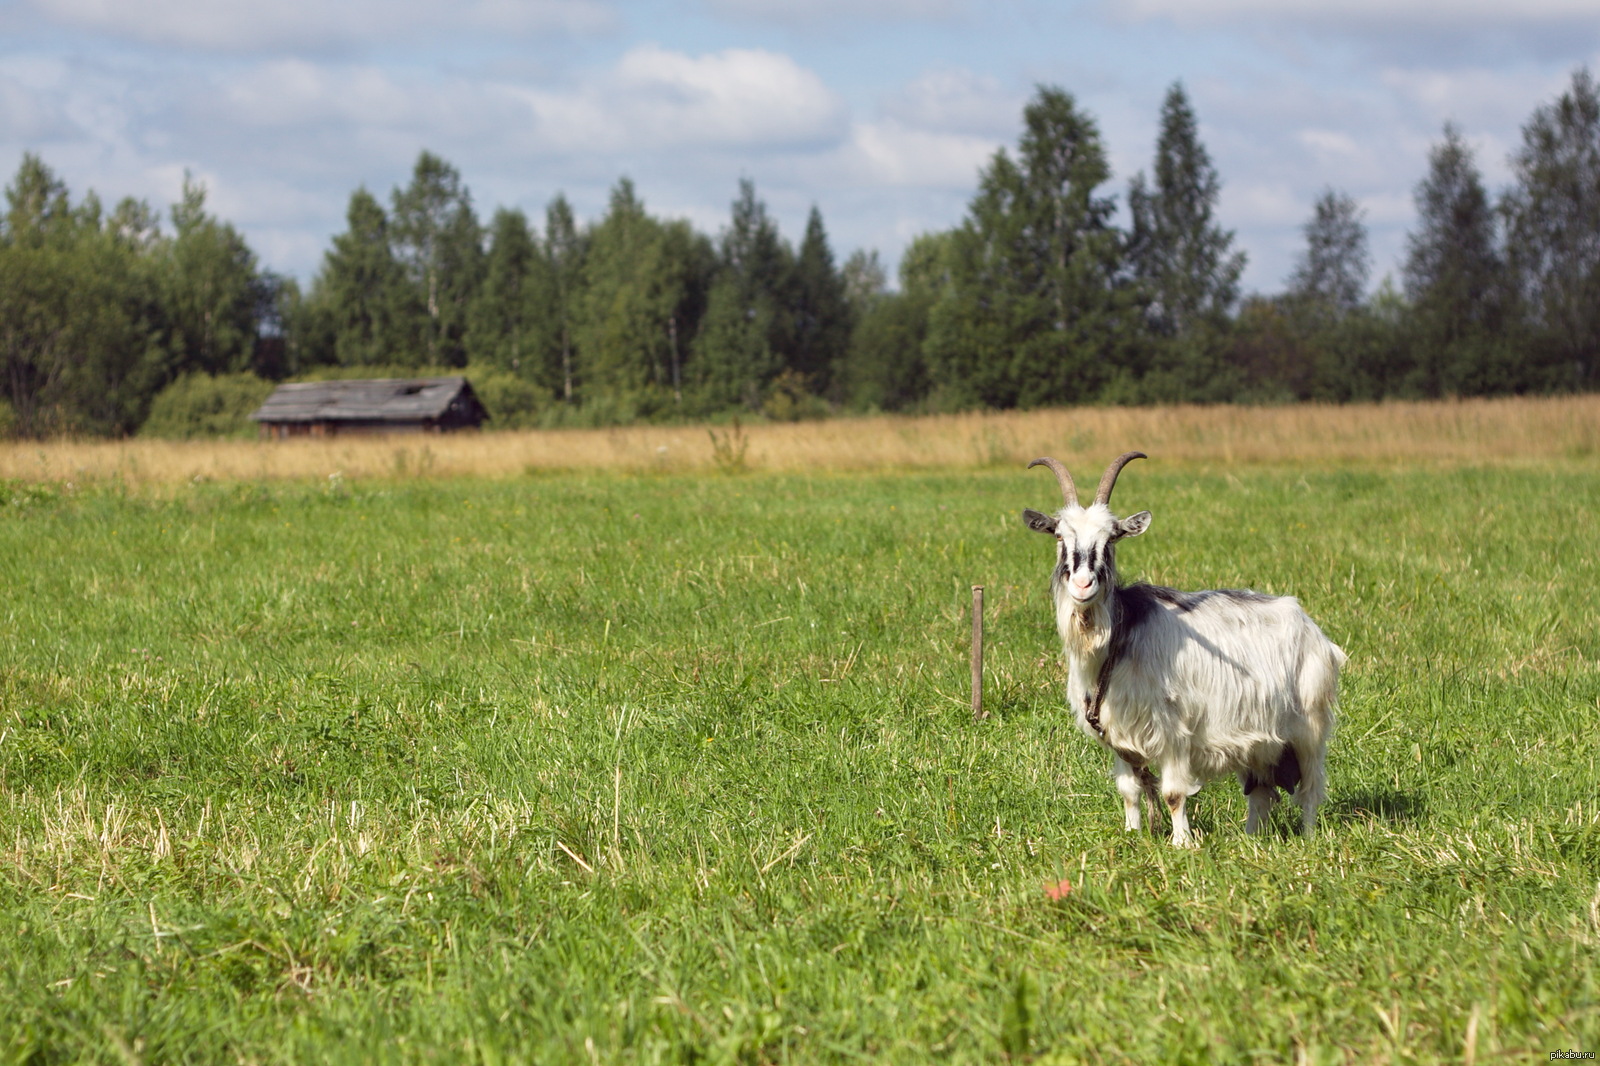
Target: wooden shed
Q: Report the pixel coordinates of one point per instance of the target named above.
(383, 405)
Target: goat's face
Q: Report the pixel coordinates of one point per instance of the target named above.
(1086, 557)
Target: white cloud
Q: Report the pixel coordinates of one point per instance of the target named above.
(1331, 145)
(248, 25)
(957, 101)
(294, 92)
(935, 133)
(28, 116)
(651, 99)
(740, 96)
(893, 154)
(832, 12)
(1263, 204)
(1388, 209)
(1489, 97)
(1449, 13)
(882, 112)
(654, 98)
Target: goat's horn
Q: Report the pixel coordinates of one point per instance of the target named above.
(1069, 491)
(1108, 480)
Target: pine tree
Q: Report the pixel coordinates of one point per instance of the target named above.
(362, 291)
(1034, 312)
(886, 368)
(746, 330)
(564, 248)
(1350, 348)
(1183, 263)
(1452, 279)
(821, 315)
(211, 292)
(1553, 236)
(1331, 276)
(690, 264)
(37, 205)
(1176, 249)
(78, 310)
(503, 324)
(615, 330)
(437, 240)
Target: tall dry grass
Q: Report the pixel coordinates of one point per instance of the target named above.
(1447, 433)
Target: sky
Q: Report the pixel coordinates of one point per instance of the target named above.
(881, 113)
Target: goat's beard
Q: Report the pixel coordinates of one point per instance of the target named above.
(1087, 631)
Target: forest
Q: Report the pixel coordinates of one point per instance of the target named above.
(121, 321)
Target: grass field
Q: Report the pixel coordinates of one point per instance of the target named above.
(679, 768)
(1525, 430)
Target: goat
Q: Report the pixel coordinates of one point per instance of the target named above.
(1200, 684)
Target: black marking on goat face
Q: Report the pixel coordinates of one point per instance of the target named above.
(1063, 570)
(1103, 562)
(1099, 557)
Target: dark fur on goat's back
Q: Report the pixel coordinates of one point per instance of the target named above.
(1184, 602)
(1136, 604)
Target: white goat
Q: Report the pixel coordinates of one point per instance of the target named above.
(1200, 684)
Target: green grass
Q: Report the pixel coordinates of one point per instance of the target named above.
(671, 770)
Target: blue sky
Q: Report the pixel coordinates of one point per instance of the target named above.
(880, 112)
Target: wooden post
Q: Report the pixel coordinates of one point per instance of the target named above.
(978, 713)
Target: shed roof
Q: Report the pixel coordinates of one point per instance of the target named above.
(375, 400)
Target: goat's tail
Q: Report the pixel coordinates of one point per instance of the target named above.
(1318, 683)
(1319, 699)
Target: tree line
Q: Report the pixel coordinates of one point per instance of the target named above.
(113, 320)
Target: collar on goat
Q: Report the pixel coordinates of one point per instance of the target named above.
(1093, 701)
(1116, 647)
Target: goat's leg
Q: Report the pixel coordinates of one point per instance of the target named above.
(1152, 798)
(1131, 788)
(1181, 837)
(1312, 789)
(1261, 800)
(1176, 784)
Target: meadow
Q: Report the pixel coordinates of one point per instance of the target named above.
(1496, 431)
(526, 764)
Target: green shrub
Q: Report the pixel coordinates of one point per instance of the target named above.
(199, 405)
(790, 399)
(512, 402)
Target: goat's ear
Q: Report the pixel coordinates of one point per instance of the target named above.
(1134, 524)
(1039, 523)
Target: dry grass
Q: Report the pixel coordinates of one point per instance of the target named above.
(1448, 433)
